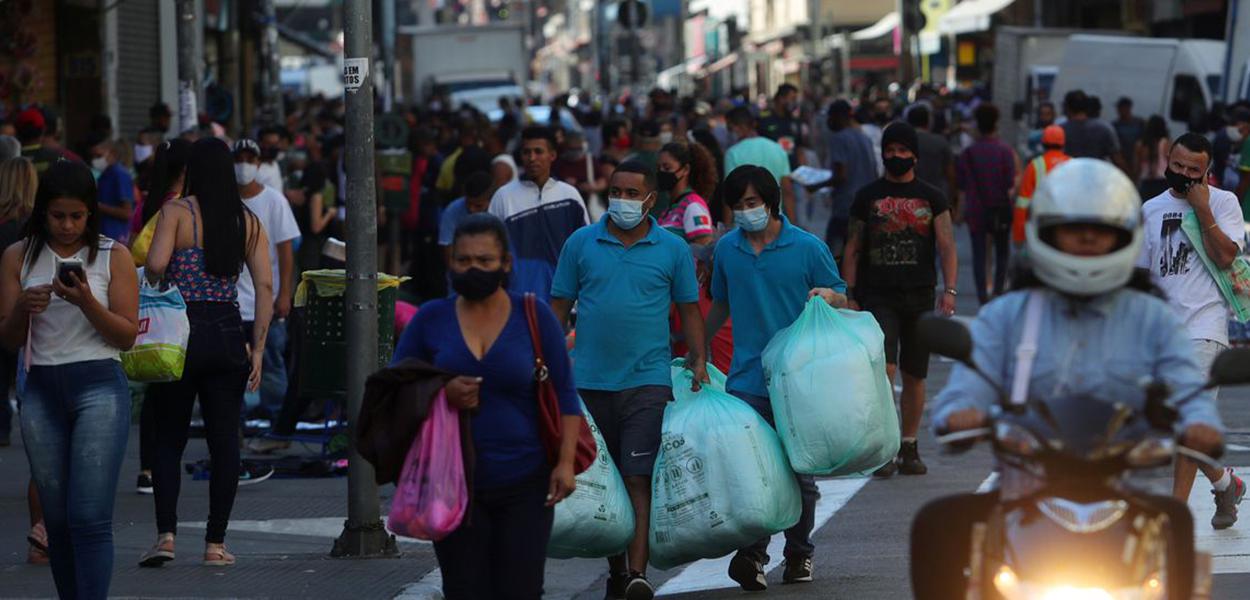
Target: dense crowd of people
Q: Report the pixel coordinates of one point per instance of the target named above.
(646, 228)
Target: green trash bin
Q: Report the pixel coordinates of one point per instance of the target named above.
(323, 353)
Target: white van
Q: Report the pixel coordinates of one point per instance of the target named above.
(1178, 79)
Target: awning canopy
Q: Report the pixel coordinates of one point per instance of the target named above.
(970, 16)
(885, 26)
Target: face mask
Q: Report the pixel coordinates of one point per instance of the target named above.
(244, 173)
(269, 153)
(99, 163)
(623, 143)
(666, 137)
(666, 180)
(881, 118)
(1179, 183)
(142, 152)
(627, 214)
(1233, 132)
(899, 166)
(476, 284)
(752, 219)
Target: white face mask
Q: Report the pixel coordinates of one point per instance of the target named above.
(1233, 132)
(142, 152)
(245, 173)
(99, 163)
(666, 137)
(752, 219)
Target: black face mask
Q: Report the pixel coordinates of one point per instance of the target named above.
(666, 181)
(476, 284)
(1179, 183)
(269, 153)
(898, 166)
(881, 118)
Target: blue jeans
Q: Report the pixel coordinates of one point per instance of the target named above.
(798, 538)
(75, 419)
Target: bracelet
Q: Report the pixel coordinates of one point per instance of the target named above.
(951, 291)
(1213, 226)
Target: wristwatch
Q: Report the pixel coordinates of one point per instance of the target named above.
(951, 291)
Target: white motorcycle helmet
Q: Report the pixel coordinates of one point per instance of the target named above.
(1087, 191)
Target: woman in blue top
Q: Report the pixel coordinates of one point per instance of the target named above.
(481, 333)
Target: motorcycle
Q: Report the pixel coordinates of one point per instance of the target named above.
(1070, 526)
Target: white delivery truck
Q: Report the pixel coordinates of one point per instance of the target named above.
(1177, 79)
(473, 65)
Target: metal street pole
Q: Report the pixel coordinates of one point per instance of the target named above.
(363, 534)
(188, 67)
(272, 64)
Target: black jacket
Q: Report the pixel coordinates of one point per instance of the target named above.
(397, 400)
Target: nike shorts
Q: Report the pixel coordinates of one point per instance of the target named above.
(630, 422)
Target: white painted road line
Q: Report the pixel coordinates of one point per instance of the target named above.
(711, 574)
(324, 527)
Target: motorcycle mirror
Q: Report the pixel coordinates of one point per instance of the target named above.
(946, 337)
(1231, 367)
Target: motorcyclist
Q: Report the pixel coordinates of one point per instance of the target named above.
(1101, 332)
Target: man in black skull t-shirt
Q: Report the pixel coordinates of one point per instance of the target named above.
(899, 225)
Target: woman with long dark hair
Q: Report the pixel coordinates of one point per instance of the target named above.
(1152, 158)
(201, 244)
(687, 173)
(165, 182)
(70, 297)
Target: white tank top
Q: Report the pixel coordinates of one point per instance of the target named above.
(62, 334)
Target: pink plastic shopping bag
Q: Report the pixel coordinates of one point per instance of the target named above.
(431, 497)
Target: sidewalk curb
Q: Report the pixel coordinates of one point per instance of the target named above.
(429, 587)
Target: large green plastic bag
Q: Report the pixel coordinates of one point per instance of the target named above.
(160, 350)
(832, 401)
(721, 480)
(597, 520)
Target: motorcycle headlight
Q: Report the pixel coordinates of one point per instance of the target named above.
(1015, 439)
(1151, 452)
(1009, 585)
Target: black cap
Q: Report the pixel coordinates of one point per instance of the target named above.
(899, 132)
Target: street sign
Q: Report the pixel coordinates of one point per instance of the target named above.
(631, 14)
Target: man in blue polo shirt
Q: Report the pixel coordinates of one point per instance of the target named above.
(624, 272)
(763, 273)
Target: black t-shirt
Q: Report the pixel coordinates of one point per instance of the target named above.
(899, 243)
(783, 130)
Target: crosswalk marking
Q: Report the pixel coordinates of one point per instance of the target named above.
(325, 527)
(710, 574)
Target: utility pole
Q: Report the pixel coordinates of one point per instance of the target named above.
(388, 55)
(363, 533)
(272, 64)
(188, 67)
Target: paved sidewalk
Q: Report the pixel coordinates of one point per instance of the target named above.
(281, 531)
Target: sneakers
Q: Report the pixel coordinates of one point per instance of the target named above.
(748, 573)
(266, 445)
(639, 588)
(252, 473)
(1226, 503)
(797, 571)
(617, 582)
(909, 462)
(144, 484)
(887, 470)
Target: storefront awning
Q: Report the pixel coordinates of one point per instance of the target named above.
(970, 16)
(722, 63)
(885, 26)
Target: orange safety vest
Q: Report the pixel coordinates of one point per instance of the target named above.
(1039, 166)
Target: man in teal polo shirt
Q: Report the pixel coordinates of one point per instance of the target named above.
(763, 273)
(624, 272)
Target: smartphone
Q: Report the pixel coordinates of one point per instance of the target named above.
(65, 267)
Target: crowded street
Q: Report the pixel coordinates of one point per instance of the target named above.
(568, 299)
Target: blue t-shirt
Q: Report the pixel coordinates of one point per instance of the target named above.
(450, 219)
(623, 298)
(766, 293)
(852, 148)
(505, 429)
(115, 189)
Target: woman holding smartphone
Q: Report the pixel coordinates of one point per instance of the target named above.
(70, 297)
(201, 244)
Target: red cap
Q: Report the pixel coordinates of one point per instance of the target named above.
(31, 118)
(1053, 136)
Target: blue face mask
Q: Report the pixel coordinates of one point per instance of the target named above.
(627, 214)
(752, 219)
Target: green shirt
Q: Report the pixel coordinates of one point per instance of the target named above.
(759, 151)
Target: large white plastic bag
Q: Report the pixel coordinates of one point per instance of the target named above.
(832, 401)
(721, 480)
(597, 520)
(160, 350)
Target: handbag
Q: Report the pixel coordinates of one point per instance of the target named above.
(549, 404)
